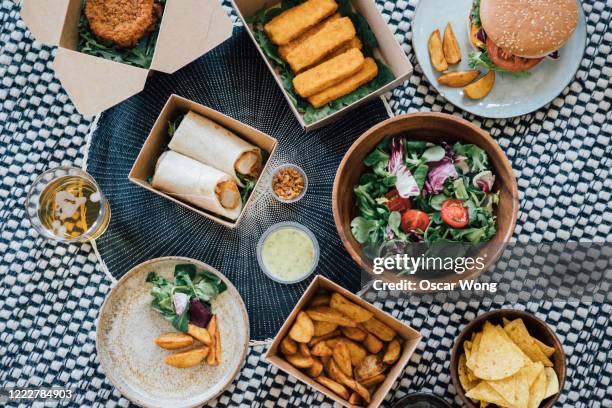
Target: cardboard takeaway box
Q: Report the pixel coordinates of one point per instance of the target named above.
(409, 336)
(189, 28)
(157, 142)
(389, 50)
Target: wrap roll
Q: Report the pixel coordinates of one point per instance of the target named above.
(198, 184)
(209, 143)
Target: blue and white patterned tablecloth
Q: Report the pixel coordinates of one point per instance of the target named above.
(50, 293)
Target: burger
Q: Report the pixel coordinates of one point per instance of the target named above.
(516, 35)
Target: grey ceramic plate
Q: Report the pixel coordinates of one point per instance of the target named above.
(127, 327)
(510, 96)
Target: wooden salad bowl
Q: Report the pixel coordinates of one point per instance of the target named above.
(436, 128)
(537, 328)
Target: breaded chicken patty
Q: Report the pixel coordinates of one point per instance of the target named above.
(122, 22)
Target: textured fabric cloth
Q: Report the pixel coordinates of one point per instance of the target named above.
(50, 293)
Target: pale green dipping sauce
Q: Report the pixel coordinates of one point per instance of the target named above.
(288, 253)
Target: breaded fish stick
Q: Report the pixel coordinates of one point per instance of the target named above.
(314, 49)
(284, 50)
(297, 20)
(368, 72)
(329, 73)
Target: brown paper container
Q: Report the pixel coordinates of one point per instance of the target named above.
(392, 54)
(157, 143)
(410, 338)
(189, 28)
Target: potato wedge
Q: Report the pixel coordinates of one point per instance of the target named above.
(356, 351)
(338, 374)
(299, 360)
(199, 333)
(321, 349)
(373, 344)
(322, 299)
(379, 329)
(323, 328)
(474, 37)
(355, 399)
(288, 346)
(452, 51)
(480, 88)
(316, 340)
(392, 353)
(342, 357)
(316, 369)
(303, 328)
(369, 382)
(369, 367)
(436, 53)
(174, 340)
(350, 309)
(336, 388)
(458, 79)
(304, 350)
(327, 314)
(354, 333)
(189, 358)
(214, 357)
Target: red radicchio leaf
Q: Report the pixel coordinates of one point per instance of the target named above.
(440, 171)
(405, 183)
(199, 313)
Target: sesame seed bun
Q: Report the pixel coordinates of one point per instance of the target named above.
(529, 28)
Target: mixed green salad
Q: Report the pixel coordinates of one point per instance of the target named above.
(187, 298)
(365, 34)
(415, 191)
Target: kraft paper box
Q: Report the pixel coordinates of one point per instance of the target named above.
(409, 336)
(188, 29)
(157, 142)
(389, 50)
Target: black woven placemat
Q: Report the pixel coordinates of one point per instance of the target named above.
(234, 80)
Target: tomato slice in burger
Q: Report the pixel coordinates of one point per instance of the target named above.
(508, 61)
(414, 220)
(454, 213)
(395, 202)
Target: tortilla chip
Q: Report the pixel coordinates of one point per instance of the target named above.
(467, 348)
(552, 382)
(517, 331)
(506, 388)
(484, 392)
(483, 404)
(537, 391)
(547, 350)
(497, 357)
(465, 381)
(521, 390)
(532, 371)
(471, 360)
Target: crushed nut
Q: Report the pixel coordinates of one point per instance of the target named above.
(287, 183)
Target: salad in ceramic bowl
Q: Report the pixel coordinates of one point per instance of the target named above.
(419, 191)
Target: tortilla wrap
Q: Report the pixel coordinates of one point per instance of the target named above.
(193, 182)
(209, 143)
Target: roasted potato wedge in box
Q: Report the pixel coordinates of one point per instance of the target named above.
(316, 368)
(316, 340)
(480, 88)
(299, 360)
(321, 349)
(369, 367)
(340, 376)
(304, 350)
(356, 351)
(199, 333)
(189, 358)
(379, 329)
(354, 333)
(373, 344)
(377, 379)
(450, 45)
(458, 79)
(393, 352)
(288, 346)
(327, 314)
(342, 357)
(174, 340)
(322, 299)
(355, 399)
(348, 308)
(303, 328)
(323, 328)
(436, 53)
(336, 388)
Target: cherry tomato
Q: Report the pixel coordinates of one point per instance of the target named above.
(508, 61)
(414, 220)
(454, 213)
(397, 203)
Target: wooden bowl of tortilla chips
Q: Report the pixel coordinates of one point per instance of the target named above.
(508, 358)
